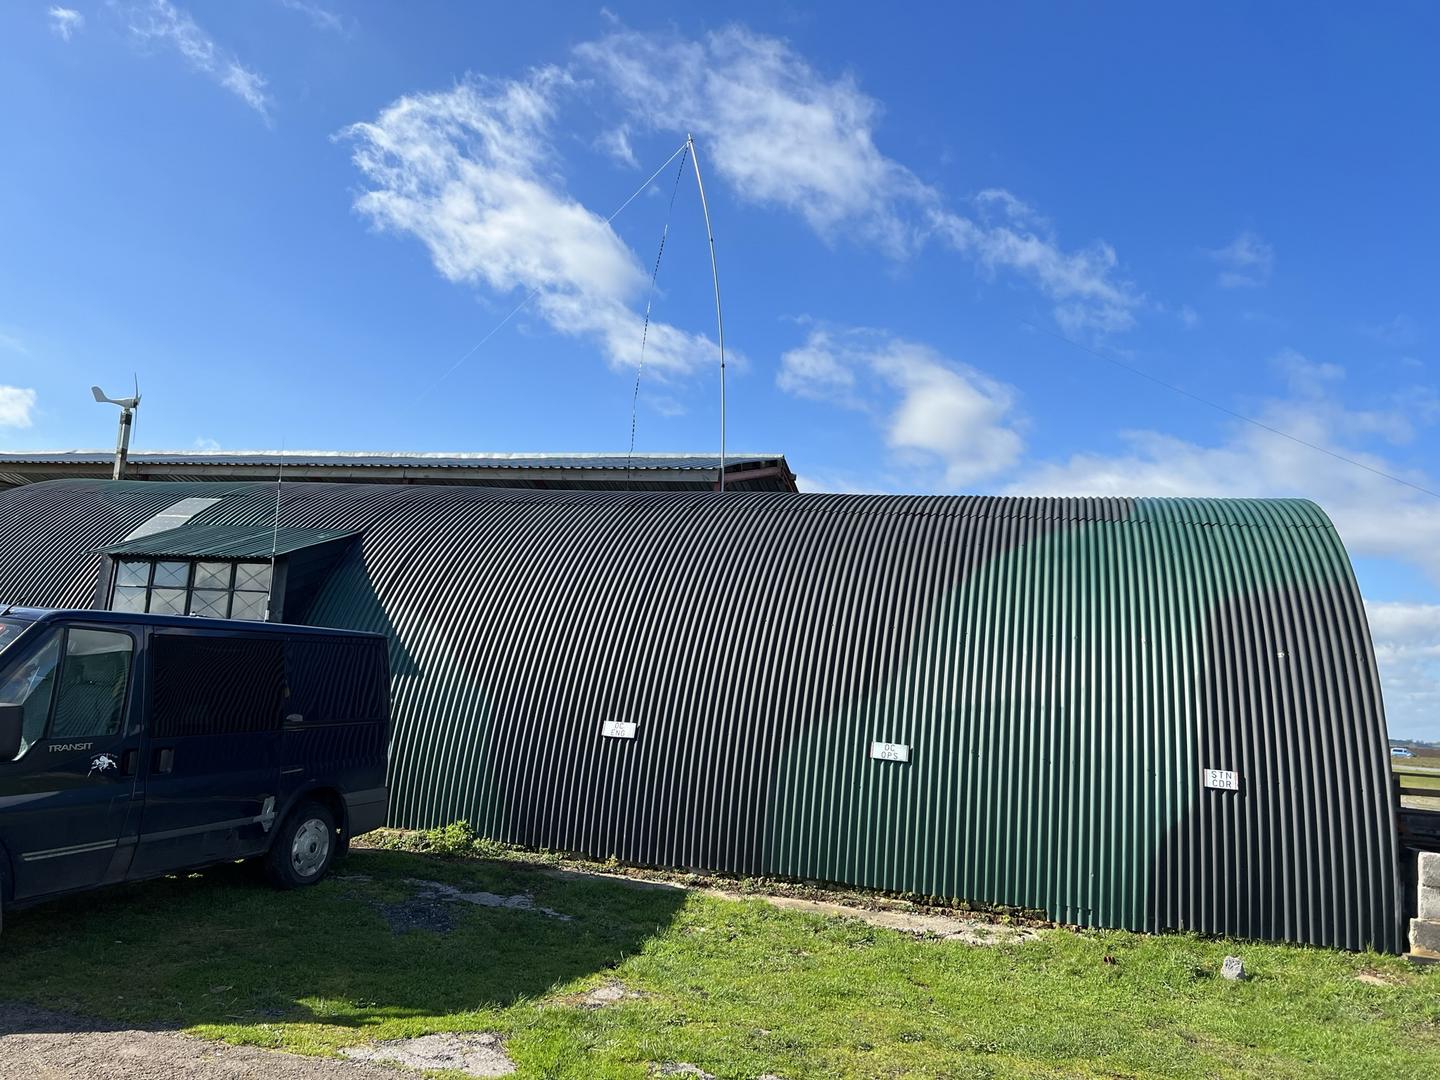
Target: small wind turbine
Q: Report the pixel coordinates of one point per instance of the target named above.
(127, 419)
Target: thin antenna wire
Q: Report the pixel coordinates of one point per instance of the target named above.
(650, 300)
(1231, 412)
(719, 319)
(275, 532)
(537, 291)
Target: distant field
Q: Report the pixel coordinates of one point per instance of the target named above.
(1419, 776)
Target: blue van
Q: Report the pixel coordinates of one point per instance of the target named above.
(137, 745)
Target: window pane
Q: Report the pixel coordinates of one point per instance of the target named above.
(132, 573)
(172, 575)
(248, 605)
(167, 601)
(336, 681)
(252, 576)
(211, 603)
(31, 685)
(212, 575)
(208, 685)
(128, 599)
(91, 695)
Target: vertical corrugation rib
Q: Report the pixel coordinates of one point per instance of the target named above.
(1062, 670)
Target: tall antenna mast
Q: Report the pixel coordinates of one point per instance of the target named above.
(275, 533)
(127, 419)
(719, 319)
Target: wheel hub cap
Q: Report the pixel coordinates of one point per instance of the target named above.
(310, 848)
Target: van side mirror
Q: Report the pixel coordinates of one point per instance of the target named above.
(12, 724)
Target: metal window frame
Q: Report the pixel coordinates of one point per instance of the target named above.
(63, 661)
(191, 563)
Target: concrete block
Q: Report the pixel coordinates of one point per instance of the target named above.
(1429, 870)
(1429, 908)
(1425, 937)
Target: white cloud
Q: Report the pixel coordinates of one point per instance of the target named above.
(1245, 262)
(933, 410)
(783, 134)
(1401, 332)
(159, 22)
(321, 17)
(1374, 515)
(1407, 649)
(1082, 283)
(616, 143)
(1189, 317)
(470, 172)
(66, 22)
(15, 406)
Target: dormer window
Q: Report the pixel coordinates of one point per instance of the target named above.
(211, 588)
(255, 572)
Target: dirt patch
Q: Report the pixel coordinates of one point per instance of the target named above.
(438, 890)
(432, 905)
(1375, 978)
(472, 1054)
(611, 993)
(681, 1068)
(44, 1045)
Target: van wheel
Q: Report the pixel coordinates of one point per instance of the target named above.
(303, 848)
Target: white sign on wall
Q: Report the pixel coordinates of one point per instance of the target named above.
(618, 729)
(889, 751)
(1222, 780)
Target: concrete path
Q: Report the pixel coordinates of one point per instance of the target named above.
(891, 915)
(42, 1045)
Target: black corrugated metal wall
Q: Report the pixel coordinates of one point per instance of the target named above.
(1062, 671)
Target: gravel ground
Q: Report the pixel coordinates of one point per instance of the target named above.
(42, 1045)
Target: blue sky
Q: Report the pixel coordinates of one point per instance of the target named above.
(293, 218)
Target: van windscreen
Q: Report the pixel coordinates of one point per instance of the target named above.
(10, 629)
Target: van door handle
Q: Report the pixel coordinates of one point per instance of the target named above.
(164, 760)
(128, 761)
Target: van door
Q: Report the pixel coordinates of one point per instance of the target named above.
(67, 800)
(211, 758)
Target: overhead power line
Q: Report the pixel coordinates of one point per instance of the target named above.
(649, 303)
(538, 290)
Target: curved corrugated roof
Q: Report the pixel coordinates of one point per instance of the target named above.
(1061, 669)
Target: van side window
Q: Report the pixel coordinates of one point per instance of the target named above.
(31, 685)
(215, 685)
(90, 700)
(337, 681)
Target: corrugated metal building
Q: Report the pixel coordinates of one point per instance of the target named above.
(1059, 672)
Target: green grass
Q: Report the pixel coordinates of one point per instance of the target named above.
(736, 987)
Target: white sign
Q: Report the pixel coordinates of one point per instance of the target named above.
(1222, 780)
(889, 751)
(618, 729)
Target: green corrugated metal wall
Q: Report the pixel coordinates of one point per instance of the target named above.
(1062, 670)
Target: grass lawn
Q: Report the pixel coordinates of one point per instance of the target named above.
(738, 988)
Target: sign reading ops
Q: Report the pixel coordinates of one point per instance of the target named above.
(889, 751)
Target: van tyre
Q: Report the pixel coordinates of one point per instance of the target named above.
(304, 847)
